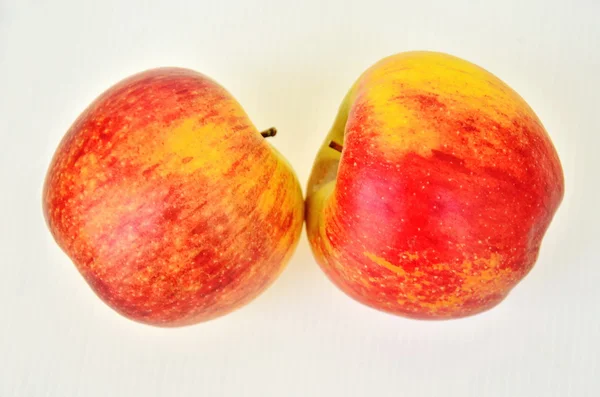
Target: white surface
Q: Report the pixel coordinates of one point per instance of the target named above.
(290, 65)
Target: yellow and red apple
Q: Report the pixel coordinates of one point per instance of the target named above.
(444, 188)
(169, 201)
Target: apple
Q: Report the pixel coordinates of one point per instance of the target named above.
(433, 190)
(169, 201)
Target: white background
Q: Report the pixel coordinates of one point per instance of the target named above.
(289, 64)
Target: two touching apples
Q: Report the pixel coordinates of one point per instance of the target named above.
(429, 197)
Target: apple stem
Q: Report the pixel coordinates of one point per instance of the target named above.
(270, 132)
(336, 146)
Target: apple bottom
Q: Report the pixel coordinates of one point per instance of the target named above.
(414, 310)
(417, 298)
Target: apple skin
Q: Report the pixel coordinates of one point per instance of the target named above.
(445, 186)
(169, 201)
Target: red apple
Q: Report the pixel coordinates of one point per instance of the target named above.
(445, 185)
(168, 200)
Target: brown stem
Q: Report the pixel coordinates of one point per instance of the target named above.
(270, 132)
(336, 146)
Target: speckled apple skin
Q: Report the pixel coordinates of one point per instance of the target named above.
(169, 201)
(445, 187)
